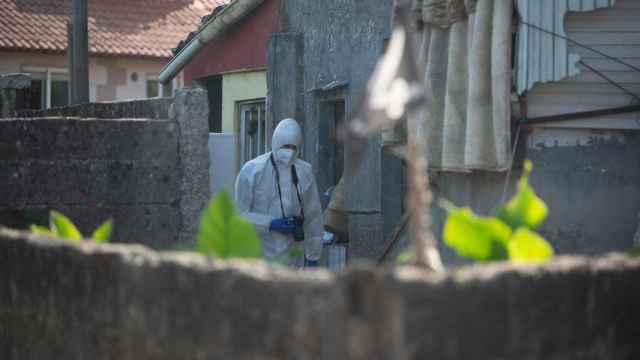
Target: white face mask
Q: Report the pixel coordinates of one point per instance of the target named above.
(285, 156)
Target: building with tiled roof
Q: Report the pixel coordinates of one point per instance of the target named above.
(129, 41)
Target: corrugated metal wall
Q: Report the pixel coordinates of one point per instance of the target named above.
(614, 31)
(541, 56)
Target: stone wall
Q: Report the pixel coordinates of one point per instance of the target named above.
(128, 302)
(144, 163)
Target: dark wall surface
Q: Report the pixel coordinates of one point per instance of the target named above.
(144, 162)
(84, 301)
(91, 170)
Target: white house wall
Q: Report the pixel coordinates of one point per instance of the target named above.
(110, 78)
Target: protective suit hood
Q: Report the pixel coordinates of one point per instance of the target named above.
(287, 132)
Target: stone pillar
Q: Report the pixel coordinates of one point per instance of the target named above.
(190, 111)
(285, 78)
(9, 84)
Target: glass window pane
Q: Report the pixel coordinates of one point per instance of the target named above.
(152, 88)
(59, 90)
(38, 91)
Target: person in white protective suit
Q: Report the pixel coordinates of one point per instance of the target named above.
(278, 194)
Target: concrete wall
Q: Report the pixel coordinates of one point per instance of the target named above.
(145, 163)
(237, 87)
(110, 78)
(126, 302)
(326, 48)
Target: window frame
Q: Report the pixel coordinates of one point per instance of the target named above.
(160, 89)
(264, 145)
(48, 71)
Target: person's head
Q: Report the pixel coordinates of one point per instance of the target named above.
(286, 141)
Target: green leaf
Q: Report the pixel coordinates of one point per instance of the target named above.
(243, 241)
(404, 257)
(63, 227)
(527, 246)
(103, 233)
(224, 234)
(634, 252)
(37, 229)
(214, 226)
(474, 237)
(525, 208)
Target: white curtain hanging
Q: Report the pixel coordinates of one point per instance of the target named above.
(465, 55)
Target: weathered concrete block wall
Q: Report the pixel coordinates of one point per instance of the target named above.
(143, 162)
(126, 302)
(90, 170)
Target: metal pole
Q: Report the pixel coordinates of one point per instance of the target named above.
(70, 65)
(80, 52)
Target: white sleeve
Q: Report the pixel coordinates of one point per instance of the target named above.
(244, 197)
(313, 222)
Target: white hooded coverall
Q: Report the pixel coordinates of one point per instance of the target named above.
(257, 199)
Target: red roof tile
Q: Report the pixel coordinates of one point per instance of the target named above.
(147, 28)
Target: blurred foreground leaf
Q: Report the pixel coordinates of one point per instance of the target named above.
(525, 208)
(63, 227)
(527, 246)
(224, 234)
(474, 237)
(103, 233)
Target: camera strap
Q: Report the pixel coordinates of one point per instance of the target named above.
(294, 180)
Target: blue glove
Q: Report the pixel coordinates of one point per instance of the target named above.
(282, 225)
(312, 263)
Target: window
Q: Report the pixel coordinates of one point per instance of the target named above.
(155, 89)
(152, 88)
(49, 88)
(253, 130)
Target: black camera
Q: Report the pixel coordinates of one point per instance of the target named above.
(298, 228)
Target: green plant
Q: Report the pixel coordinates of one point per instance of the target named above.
(61, 227)
(510, 235)
(224, 234)
(634, 251)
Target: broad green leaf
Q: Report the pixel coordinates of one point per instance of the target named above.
(525, 208)
(404, 257)
(214, 226)
(243, 241)
(103, 233)
(527, 246)
(37, 229)
(63, 227)
(224, 234)
(474, 237)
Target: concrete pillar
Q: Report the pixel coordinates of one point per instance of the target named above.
(80, 52)
(190, 112)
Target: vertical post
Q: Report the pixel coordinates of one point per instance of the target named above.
(70, 65)
(80, 52)
(420, 197)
